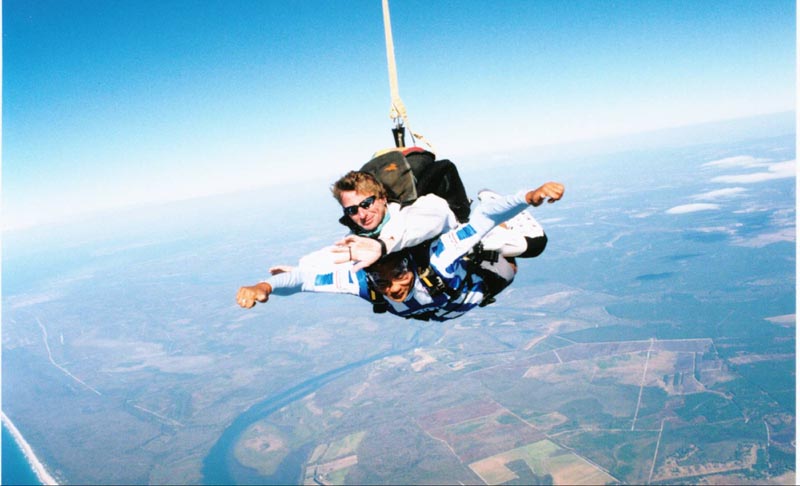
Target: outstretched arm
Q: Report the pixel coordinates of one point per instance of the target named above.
(291, 280)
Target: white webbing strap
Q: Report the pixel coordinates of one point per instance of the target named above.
(398, 109)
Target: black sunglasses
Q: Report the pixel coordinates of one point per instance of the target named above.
(365, 204)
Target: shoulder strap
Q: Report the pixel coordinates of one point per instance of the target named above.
(379, 304)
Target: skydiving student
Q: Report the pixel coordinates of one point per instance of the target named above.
(407, 289)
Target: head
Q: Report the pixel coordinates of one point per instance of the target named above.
(363, 199)
(393, 275)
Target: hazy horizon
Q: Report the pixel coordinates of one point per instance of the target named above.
(782, 122)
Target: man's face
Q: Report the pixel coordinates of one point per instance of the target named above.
(368, 217)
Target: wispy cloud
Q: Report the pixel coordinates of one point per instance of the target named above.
(784, 320)
(738, 161)
(719, 194)
(762, 240)
(728, 230)
(779, 170)
(692, 208)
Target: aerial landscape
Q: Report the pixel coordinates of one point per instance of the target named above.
(158, 155)
(653, 342)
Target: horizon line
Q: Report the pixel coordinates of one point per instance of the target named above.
(584, 143)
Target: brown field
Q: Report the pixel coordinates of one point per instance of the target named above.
(481, 430)
(457, 414)
(671, 469)
(329, 462)
(580, 352)
(543, 457)
(684, 345)
(338, 464)
(332, 472)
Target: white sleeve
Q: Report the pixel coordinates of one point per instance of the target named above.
(457, 242)
(337, 279)
(428, 217)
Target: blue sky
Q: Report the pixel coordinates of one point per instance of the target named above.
(109, 103)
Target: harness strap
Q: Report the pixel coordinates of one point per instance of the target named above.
(494, 283)
(433, 282)
(379, 304)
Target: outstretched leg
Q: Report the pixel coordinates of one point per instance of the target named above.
(521, 236)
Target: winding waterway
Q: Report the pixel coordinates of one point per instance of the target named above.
(220, 465)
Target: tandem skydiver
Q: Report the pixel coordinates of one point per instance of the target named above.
(392, 226)
(458, 285)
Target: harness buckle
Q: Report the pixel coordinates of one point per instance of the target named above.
(432, 281)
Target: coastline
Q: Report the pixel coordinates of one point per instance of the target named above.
(41, 472)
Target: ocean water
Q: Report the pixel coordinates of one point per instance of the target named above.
(16, 469)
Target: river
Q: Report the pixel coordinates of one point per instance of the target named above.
(220, 465)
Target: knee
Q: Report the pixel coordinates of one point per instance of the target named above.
(535, 246)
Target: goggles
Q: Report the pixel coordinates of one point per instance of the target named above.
(383, 279)
(365, 204)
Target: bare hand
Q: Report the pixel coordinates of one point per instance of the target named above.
(364, 251)
(552, 190)
(248, 296)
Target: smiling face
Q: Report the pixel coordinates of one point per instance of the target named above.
(399, 287)
(392, 276)
(353, 191)
(358, 208)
